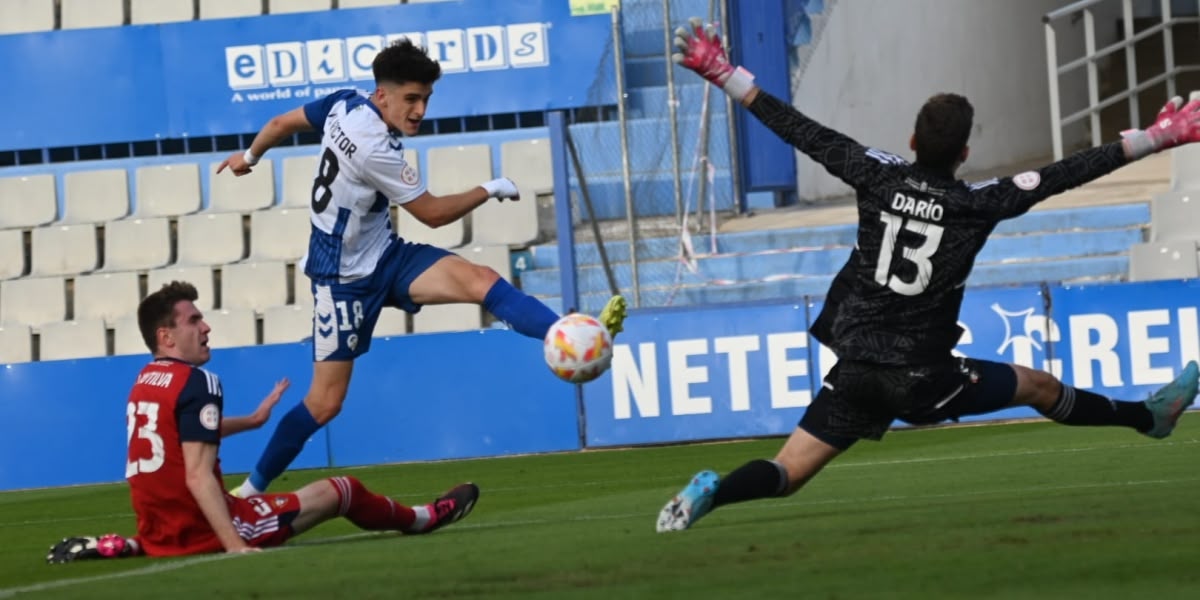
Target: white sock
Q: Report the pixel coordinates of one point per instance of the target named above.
(424, 517)
(246, 490)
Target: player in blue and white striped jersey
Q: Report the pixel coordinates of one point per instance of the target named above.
(357, 264)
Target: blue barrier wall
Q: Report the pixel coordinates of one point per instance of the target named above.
(678, 375)
(229, 76)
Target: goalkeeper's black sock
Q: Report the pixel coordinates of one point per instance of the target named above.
(751, 481)
(1081, 407)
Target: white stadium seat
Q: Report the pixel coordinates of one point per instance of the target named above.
(167, 190)
(83, 14)
(227, 193)
(365, 3)
(527, 163)
(255, 285)
(210, 239)
(12, 253)
(65, 340)
(95, 196)
(127, 338)
(24, 16)
(27, 201)
(136, 244)
(279, 234)
(446, 176)
(298, 174)
(231, 328)
(64, 250)
(392, 322)
(107, 296)
(301, 288)
(227, 9)
(143, 12)
(1185, 168)
(1163, 260)
(16, 343)
(276, 7)
(1175, 216)
(284, 324)
(448, 317)
(199, 276)
(33, 301)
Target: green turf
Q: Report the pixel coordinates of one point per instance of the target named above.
(1007, 511)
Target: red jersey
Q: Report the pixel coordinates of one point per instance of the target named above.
(172, 402)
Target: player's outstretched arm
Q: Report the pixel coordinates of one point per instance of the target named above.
(276, 130)
(260, 416)
(1177, 124)
(436, 211)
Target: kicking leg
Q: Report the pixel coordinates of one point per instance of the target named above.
(324, 401)
(455, 279)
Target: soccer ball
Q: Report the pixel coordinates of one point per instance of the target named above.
(578, 348)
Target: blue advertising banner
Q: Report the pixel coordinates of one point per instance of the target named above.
(228, 76)
(703, 373)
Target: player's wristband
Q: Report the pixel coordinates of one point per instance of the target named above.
(1138, 144)
(250, 157)
(739, 84)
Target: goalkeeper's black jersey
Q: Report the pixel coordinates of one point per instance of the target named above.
(896, 300)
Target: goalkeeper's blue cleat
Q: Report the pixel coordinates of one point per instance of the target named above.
(1168, 403)
(693, 502)
(613, 315)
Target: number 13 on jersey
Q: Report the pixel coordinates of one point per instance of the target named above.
(919, 255)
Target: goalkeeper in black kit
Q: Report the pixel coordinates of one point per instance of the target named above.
(891, 314)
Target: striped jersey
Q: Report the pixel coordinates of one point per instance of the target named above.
(360, 171)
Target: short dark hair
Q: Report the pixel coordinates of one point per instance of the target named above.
(943, 126)
(404, 61)
(158, 310)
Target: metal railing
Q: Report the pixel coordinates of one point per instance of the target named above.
(1093, 56)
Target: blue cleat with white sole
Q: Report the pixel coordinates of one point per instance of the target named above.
(1168, 403)
(693, 502)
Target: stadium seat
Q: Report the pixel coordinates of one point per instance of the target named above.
(302, 289)
(136, 244)
(527, 163)
(210, 239)
(365, 3)
(64, 250)
(12, 253)
(65, 340)
(27, 201)
(392, 322)
(298, 173)
(16, 344)
(95, 196)
(231, 328)
(279, 234)
(277, 7)
(167, 190)
(1175, 216)
(284, 324)
(452, 169)
(227, 193)
(199, 276)
(1185, 168)
(24, 16)
(1174, 259)
(227, 9)
(107, 296)
(127, 338)
(495, 257)
(143, 12)
(448, 317)
(254, 285)
(83, 14)
(33, 301)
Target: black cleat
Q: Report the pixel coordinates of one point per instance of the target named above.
(454, 505)
(88, 547)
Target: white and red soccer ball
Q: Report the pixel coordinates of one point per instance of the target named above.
(578, 348)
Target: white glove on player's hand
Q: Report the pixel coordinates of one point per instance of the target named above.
(501, 189)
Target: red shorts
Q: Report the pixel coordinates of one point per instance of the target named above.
(264, 521)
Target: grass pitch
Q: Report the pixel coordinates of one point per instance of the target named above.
(1032, 510)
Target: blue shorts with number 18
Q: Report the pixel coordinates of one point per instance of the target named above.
(344, 314)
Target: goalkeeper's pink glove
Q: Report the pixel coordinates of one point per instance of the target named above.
(699, 49)
(1177, 123)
